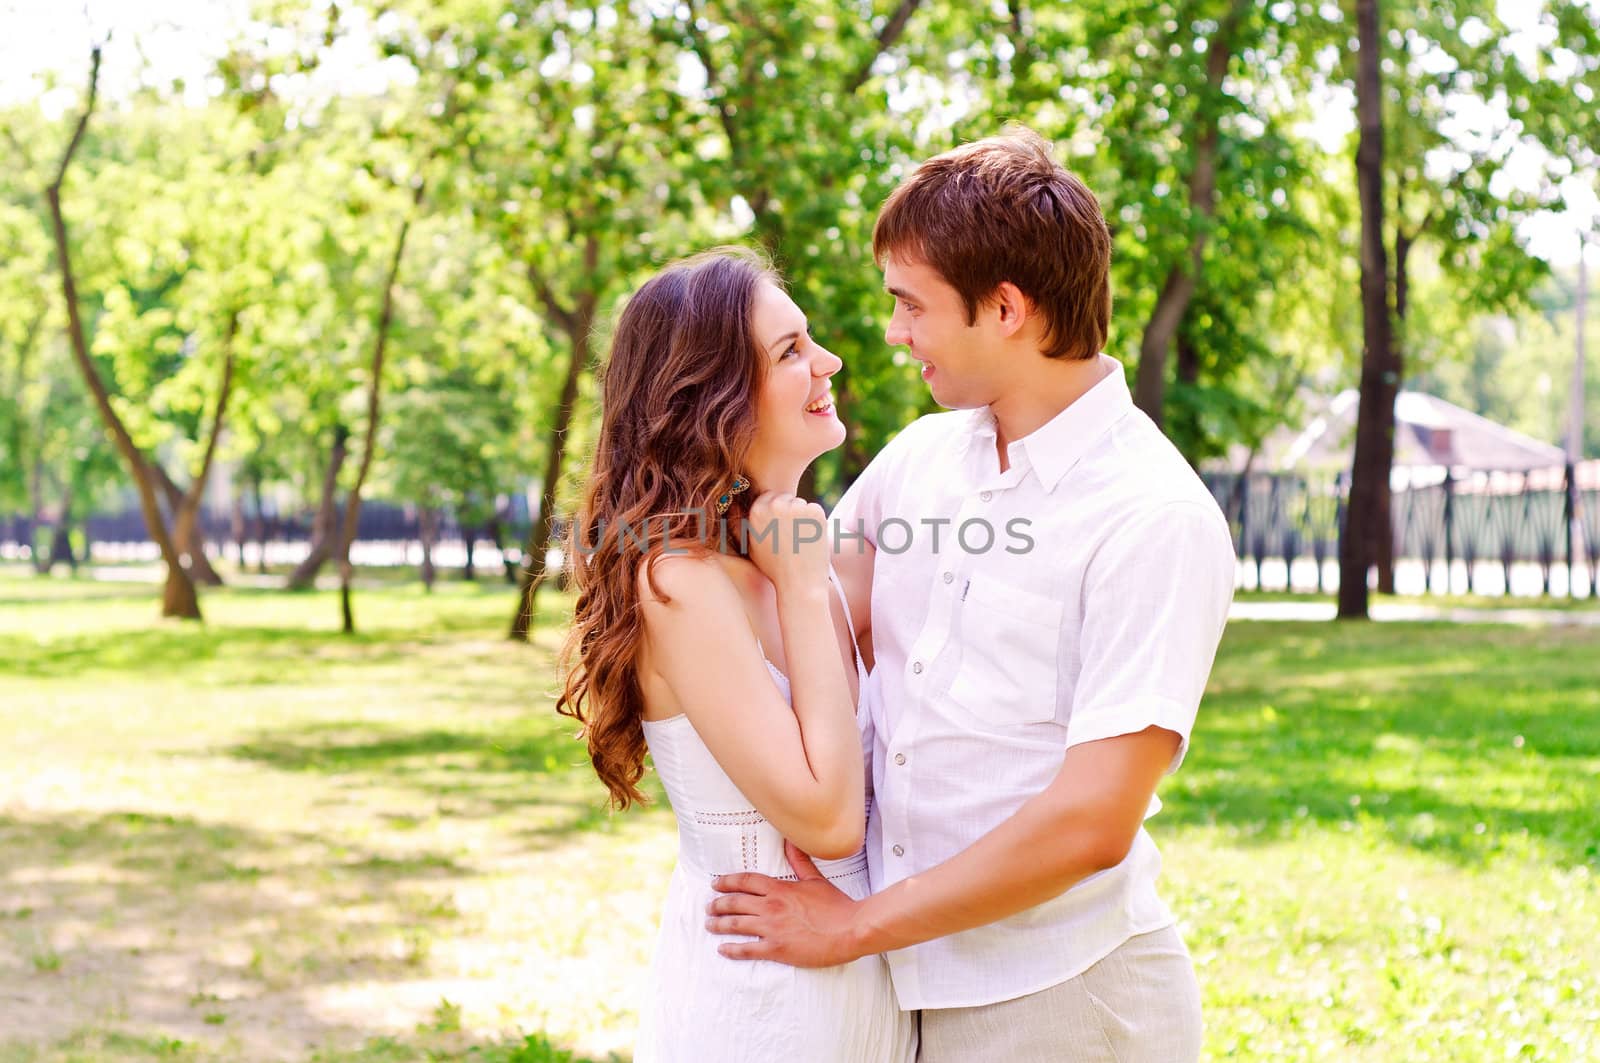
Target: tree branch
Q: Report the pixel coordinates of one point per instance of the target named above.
(197, 483)
(702, 50)
(1183, 276)
(352, 509)
(83, 121)
(886, 39)
(568, 319)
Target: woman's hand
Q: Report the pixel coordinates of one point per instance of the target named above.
(788, 541)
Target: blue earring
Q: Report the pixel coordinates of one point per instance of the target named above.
(739, 484)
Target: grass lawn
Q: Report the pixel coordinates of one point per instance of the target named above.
(260, 840)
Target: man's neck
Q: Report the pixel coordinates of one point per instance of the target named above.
(1037, 397)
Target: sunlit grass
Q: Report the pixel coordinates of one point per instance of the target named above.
(258, 839)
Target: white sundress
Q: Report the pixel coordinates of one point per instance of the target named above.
(705, 1008)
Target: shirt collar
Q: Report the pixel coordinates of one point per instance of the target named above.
(1053, 448)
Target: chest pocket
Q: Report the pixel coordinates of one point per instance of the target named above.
(1010, 642)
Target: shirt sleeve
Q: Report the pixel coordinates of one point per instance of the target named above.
(1156, 597)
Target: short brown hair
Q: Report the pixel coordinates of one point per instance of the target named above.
(1002, 209)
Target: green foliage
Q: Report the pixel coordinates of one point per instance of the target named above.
(570, 148)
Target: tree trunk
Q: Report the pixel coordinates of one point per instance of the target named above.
(534, 568)
(1183, 277)
(61, 546)
(188, 522)
(497, 536)
(578, 325)
(1403, 242)
(1188, 360)
(260, 525)
(324, 527)
(21, 435)
(236, 527)
(352, 507)
(428, 532)
(1374, 453)
(202, 573)
(178, 596)
(468, 535)
(186, 531)
(37, 553)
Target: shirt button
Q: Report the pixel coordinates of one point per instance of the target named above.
(949, 577)
(987, 495)
(898, 851)
(899, 758)
(916, 667)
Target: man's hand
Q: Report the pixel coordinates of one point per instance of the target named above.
(808, 923)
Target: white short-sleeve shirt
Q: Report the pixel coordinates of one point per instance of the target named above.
(1077, 596)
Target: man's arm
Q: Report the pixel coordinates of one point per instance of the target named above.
(1082, 823)
(1156, 598)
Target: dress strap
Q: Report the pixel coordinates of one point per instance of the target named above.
(849, 622)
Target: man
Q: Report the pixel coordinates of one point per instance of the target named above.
(1042, 642)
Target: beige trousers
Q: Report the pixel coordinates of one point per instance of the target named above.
(1141, 1004)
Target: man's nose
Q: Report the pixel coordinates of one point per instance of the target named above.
(897, 335)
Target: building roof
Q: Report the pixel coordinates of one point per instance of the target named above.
(1429, 433)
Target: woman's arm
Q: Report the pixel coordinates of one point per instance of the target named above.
(801, 766)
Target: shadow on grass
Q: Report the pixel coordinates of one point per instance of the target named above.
(167, 923)
(82, 591)
(252, 654)
(1459, 742)
(532, 768)
(260, 627)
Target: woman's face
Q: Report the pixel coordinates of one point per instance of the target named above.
(795, 420)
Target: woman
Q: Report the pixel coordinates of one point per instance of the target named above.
(734, 662)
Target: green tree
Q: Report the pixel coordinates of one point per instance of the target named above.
(809, 137)
(178, 597)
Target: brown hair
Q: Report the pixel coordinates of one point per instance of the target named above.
(1001, 209)
(678, 417)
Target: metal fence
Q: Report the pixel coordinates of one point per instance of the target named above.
(1455, 531)
(386, 534)
(1474, 532)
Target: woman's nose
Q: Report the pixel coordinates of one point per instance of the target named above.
(826, 363)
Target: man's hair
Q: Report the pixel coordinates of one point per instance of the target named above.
(1002, 209)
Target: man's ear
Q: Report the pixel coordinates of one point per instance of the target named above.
(1012, 308)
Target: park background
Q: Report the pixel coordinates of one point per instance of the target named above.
(301, 310)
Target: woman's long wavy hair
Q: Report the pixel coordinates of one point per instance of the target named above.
(678, 418)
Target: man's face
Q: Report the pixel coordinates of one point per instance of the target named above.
(959, 361)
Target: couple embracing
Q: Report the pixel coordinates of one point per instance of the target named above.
(910, 777)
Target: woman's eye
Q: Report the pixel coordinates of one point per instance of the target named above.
(794, 349)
